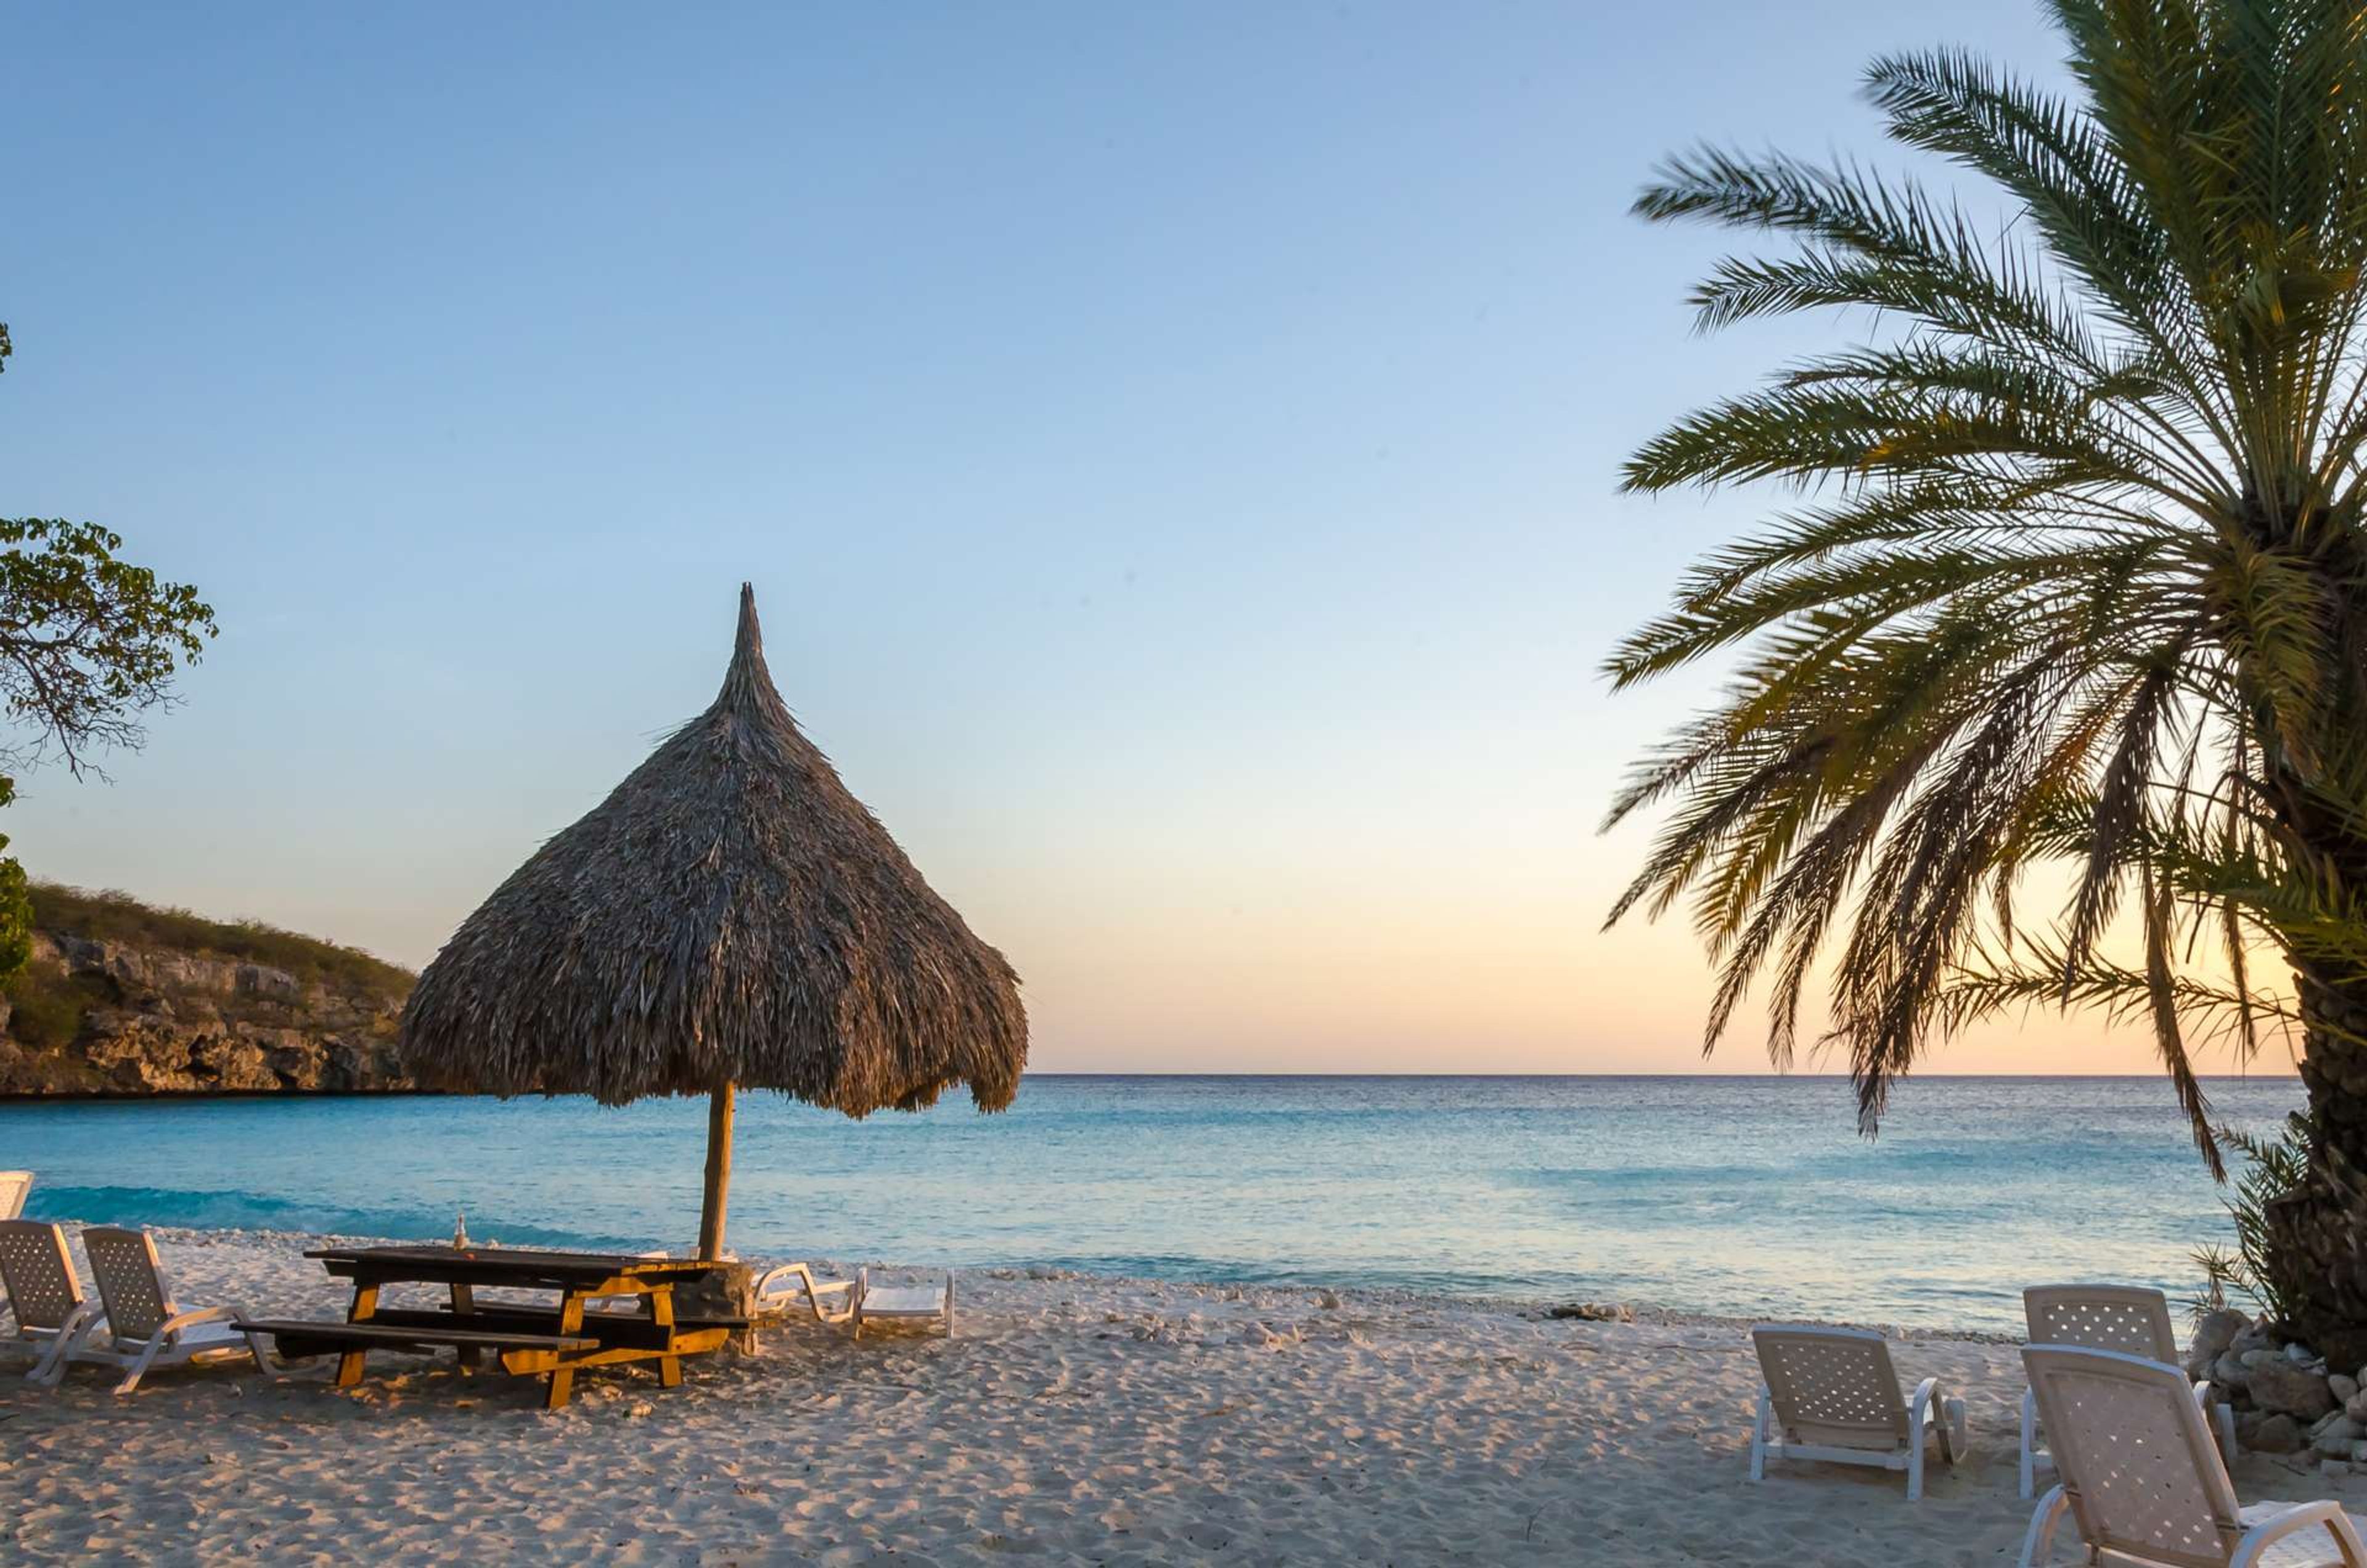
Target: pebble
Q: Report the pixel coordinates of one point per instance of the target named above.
(2334, 1436)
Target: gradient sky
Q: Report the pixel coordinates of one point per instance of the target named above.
(1173, 448)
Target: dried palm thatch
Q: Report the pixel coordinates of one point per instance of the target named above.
(730, 916)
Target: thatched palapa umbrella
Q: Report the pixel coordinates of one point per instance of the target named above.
(730, 916)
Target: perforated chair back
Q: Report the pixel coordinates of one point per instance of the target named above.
(131, 1280)
(2138, 1464)
(2127, 1318)
(1833, 1387)
(40, 1276)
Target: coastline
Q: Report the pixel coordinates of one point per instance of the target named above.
(1077, 1419)
(1700, 1195)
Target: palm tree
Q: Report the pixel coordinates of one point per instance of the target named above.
(2074, 575)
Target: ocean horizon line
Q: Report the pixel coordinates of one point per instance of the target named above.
(1149, 1075)
(1629, 1076)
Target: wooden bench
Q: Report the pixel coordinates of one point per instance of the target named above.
(301, 1340)
(526, 1339)
(609, 1330)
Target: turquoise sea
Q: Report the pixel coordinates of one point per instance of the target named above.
(1741, 1195)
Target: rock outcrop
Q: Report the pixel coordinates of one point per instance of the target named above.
(154, 1020)
(2284, 1397)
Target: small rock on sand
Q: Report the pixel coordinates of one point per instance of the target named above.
(1594, 1312)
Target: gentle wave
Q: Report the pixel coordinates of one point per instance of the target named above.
(247, 1210)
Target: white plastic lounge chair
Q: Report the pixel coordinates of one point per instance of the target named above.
(14, 1185)
(2143, 1478)
(143, 1329)
(44, 1297)
(1832, 1394)
(2127, 1318)
(780, 1288)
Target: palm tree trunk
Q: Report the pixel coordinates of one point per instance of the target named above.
(2320, 1232)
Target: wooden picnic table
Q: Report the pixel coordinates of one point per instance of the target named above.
(529, 1339)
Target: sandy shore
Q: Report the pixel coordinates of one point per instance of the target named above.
(1076, 1420)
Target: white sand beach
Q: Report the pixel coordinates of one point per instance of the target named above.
(1076, 1420)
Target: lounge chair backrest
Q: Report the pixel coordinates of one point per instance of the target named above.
(1831, 1386)
(2127, 1318)
(14, 1185)
(131, 1280)
(40, 1276)
(2136, 1457)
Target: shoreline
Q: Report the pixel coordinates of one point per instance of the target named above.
(1699, 1197)
(1077, 1419)
(292, 1244)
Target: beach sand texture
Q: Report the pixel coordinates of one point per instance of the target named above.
(1076, 1420)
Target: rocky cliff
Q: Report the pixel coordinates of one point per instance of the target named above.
(142, 1001)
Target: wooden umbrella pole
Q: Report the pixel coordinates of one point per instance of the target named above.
(719, 1172)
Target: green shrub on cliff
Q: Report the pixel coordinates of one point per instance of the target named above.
(45, 1008)
(120, 918)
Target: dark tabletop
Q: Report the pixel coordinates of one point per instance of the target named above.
(504, 1266)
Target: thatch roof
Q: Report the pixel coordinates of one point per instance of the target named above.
(730, 914)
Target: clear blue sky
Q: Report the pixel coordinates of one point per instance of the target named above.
(1174, 448)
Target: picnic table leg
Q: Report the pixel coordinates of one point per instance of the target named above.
(365, 1307)
(562, 1378)
(659, 1303)
(464, 1304)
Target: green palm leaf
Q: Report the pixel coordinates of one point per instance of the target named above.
(2074, 573)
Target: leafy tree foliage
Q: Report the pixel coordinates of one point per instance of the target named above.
(89, 643)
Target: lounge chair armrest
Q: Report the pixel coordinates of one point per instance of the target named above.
(807, 1283)
(2326, 1514)
(84, 1320)
(2221, 1418)
(2038, 1545)
(171, 1326)
(794, 1277)
(1934, 1411)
